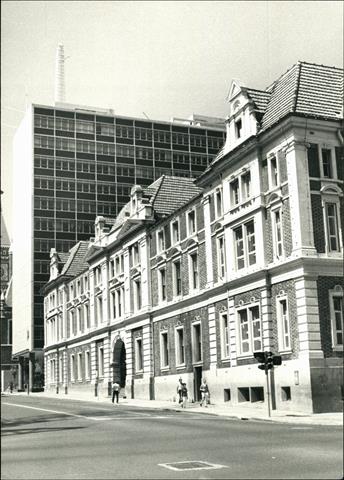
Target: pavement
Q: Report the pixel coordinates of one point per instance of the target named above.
(257, 411)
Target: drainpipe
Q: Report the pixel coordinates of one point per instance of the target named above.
(340, 136)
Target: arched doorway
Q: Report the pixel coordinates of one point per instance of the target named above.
(119, 364)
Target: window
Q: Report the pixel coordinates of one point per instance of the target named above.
(162, 284)
(238, 128)
(72, 368)
(273, 171)
(135, 254)
(137, 294)
(72, 323)
(52, 371)
(164, 349)
(79, 366)
(119, 264)
(98, 275)
(218, 203)
(332, 227)
(277, 233)
(113, 303)
(250, 330)
(175, 232)
(180, 349)
(112, 268)
(221, 272)
(196, 343)
(283, 324)
(234, 192)
(193, 271)
(82, 126)
(160, 241)
(101, 361)
(138, 355)
(61, 369)
(327, 166)
(246, 186)
(87, 364)
(99, 309)
(87, 315)
(80, 319)
(224, 329)
(336, 312)
(245, 246)
(191, 222)
(176, 274)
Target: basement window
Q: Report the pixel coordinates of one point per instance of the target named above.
(285, 394)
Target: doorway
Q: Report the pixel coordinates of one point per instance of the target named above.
(197, 383)
(119, 363)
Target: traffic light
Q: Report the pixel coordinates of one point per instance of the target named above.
(277, 360)
(269, 362)
(259, 356)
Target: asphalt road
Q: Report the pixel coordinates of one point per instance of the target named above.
(45, 438)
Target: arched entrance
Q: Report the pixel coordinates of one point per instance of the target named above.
(119, 364)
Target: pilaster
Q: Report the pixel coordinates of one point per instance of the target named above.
(232, 325)
(308, 318)
(300, 200)
(208, 247)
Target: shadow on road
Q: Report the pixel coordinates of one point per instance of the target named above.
(21, 431)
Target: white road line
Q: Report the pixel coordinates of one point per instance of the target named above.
(44, 410)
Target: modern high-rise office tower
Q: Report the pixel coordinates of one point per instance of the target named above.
(72, 163)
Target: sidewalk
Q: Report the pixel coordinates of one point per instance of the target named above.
(244, 412)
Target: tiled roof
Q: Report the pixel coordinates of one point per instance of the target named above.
(76, 260)
(260, 98)
(166, 195)
(169, 193)
(307, 89)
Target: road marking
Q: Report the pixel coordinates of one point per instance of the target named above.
(191, 465)
(44, 410)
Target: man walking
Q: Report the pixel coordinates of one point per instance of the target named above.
(204, 393)
(115, 391)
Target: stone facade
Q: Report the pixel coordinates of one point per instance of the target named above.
(251, 262)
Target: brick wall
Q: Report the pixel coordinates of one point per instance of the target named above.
(289, 288)
(170, 324)
(325, 284)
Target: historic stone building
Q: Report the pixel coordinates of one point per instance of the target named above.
(192, 278)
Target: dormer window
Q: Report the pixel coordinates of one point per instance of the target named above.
(238, 128)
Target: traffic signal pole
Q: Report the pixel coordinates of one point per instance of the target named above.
(268, 390)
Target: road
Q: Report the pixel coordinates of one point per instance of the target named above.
(47, 438)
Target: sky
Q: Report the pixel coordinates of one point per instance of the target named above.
(158, 59)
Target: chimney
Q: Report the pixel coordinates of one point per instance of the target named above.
(60, 90)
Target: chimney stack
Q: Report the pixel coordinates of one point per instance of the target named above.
(60, 90)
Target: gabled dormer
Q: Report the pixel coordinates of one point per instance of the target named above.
(242, 121)
(54, 264)
(140, 207)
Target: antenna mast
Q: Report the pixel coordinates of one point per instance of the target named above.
(60, 89)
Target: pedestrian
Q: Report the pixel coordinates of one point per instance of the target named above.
(115, 391)
(179, 390)
(184, 394)
(204, 393)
